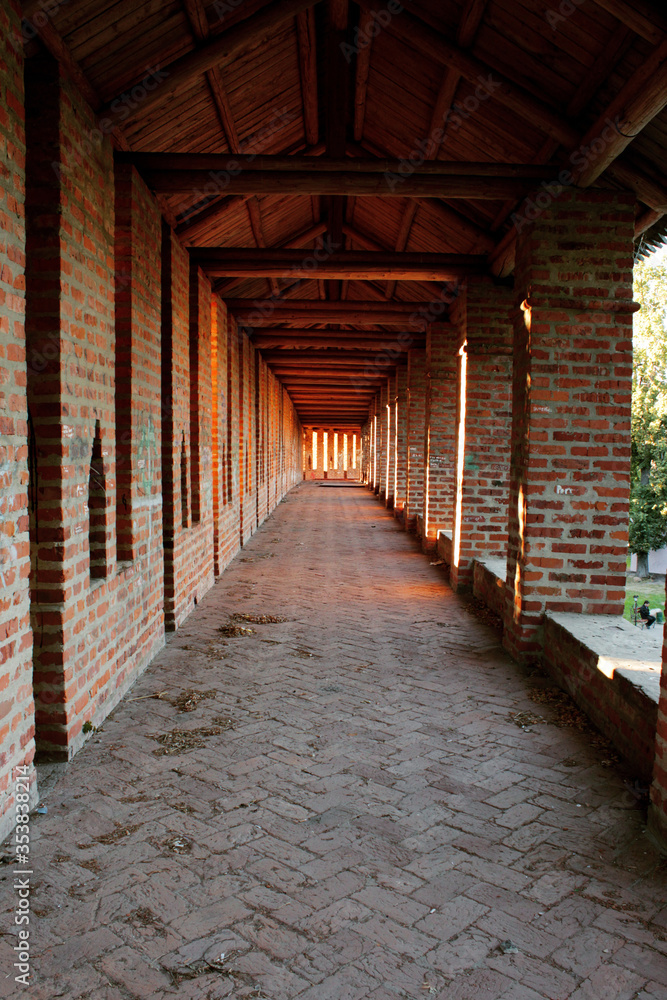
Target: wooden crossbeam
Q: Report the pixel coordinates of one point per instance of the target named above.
(267, 163)
(379, 184)
(289, 343)
(649, 23)
(637, 103)
(360, 265)
(258, 313)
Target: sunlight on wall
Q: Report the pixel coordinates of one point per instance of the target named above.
(460, 452)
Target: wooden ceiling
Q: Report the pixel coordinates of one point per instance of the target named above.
(348, 163)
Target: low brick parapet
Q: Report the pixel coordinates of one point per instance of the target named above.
(612, 671)
(610, 668)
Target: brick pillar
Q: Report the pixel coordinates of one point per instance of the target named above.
(440, 430)
(382, 398)
(374, 454)
(401, 419)
(657, 817)
(17, 745)
(414, 491)
(570, 468)
(390, 424)
(485, 421)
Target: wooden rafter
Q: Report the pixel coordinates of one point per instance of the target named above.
(469, 22)
(216, 52)
(362, 69)
(305, 24)
(649, 23)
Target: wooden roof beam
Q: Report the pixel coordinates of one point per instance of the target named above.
(639, 101)
(258, 313)
(649, 23)
(305, 26)
(218, 51)
(438, 47)
(469, 22)
(531, 109)
(358, 265)
(466, 185)
(289, 343)
(310, 165)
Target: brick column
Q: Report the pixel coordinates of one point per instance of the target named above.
(570, 468)
(17, 745)
(657, 816)
(485, 422)
(382, 441)
(390, 424)
(414, 492)
(440, 430)
(401, 459)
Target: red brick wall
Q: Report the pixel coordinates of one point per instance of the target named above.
(16, 704)
(414, 501)
(381, 411)
(390, 424)
(568, 511)
(480, 521)
(401, 394)
(187, 488)
(126, 364)
(440, 428)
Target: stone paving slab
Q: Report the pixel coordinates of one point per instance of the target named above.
(368, 800)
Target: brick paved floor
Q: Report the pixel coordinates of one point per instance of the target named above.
(360, 815)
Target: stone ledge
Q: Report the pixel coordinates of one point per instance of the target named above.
(444, 546)
(612, 671)
(488, 583)
(609, 667)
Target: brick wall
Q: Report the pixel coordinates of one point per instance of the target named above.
(442, 362)
(480, 519)
(570, 467)
(16, 704)
(186, 412)
(130, 372)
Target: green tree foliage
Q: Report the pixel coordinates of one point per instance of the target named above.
(648, 496)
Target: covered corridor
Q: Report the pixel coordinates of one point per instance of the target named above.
(323, 310)
(367, 799)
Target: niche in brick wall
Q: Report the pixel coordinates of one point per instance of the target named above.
(97, 504)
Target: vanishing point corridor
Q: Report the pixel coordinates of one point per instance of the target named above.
(366, 798)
